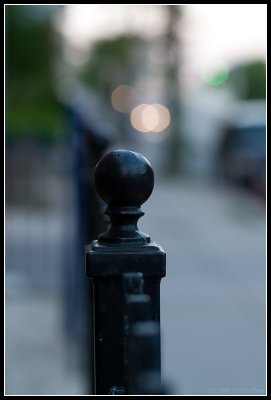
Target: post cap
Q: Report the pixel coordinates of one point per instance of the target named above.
(124, 178)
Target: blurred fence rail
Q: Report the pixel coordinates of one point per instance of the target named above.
(38, 194)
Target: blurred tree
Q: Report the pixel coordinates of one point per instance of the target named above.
(31, 104)
(248, 80)
(112, 62)
(172, 49)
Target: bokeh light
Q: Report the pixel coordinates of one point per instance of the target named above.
(136, 118)
(164, 117)
(150, 118)
(123, 98)
(215, 74)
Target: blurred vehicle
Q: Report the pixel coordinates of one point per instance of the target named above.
(242, 150)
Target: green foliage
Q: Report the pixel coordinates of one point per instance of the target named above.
(249, 80)
(111, 62)
(30, 100)
(28, 45)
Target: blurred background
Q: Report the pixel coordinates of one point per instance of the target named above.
(185, 86)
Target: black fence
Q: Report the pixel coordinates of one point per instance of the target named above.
(53, 210)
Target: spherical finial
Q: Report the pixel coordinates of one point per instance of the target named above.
(124, 179)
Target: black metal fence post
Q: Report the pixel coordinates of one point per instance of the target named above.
(124, 180)
(144, 359)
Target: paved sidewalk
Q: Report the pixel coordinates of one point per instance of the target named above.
(36, 359)
(213, 298)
